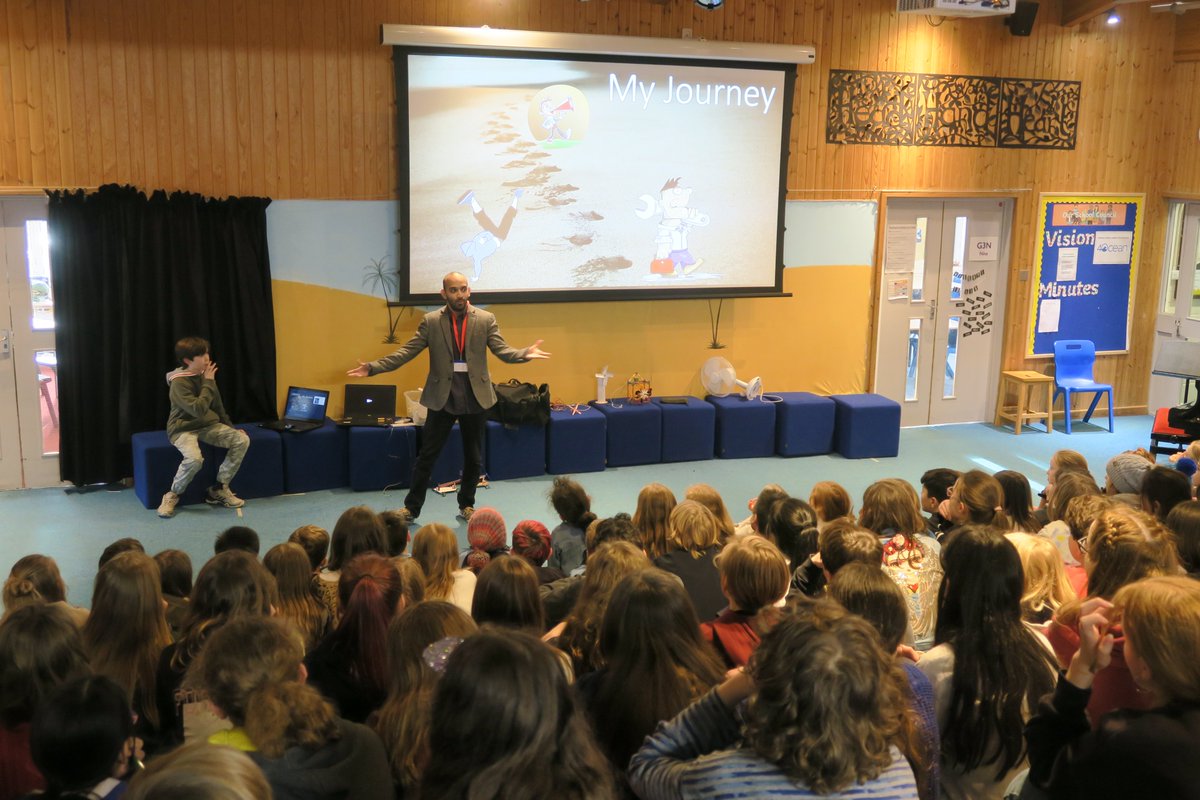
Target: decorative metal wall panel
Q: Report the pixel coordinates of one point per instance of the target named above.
(870, 107)
(899, 108)
(1040, 114)
(957, 110)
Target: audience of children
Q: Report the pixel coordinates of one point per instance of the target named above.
(826, 695)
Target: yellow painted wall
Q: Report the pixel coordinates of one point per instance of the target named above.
(320, 332)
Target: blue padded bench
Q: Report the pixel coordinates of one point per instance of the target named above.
(381, 457)
(803, 424)
(576, 442)
(866, 426)
(155, 461)
(315, 459)
(745, 428)
(688, 431)
(518, 452)
(634, 433)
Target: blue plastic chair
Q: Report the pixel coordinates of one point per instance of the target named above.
(1073, 363)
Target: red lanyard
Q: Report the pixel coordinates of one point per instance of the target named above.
(460, 337)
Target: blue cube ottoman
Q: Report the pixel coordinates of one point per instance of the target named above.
(261, 473)
(316, 459)
(634, 434)
(155, 461)
(576, 441)
(803, 424)
(745, 428)
(516, 452)
(688, 429)
(381, 457)
(866, 426)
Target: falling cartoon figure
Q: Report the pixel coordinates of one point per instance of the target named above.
(487, 241)
(672, 256)
(551, 114)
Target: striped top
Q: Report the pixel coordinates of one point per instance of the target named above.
(695, 756)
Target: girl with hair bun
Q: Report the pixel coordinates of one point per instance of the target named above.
(976, 499)
(1127, 753)
(253, 673)
(349, 666)
(36, 579)
(574, 508)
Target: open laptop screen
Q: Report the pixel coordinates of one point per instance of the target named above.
(308, 405)
(370, 400)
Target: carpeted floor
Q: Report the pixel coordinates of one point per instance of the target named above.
(74, 528)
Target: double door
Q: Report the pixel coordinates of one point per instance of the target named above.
(940, 324)
(29, 420)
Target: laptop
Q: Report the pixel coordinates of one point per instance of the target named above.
(304, 410)
(369, 405)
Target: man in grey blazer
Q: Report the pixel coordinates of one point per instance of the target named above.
(458, 387)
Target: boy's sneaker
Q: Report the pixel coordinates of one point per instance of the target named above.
(220, 495)
(166, 509)
(465, 513)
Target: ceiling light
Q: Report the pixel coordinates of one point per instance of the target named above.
(1113, 19)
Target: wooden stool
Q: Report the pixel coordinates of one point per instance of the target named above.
(1024, 379)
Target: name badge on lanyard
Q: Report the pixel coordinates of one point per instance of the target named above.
(460, 341)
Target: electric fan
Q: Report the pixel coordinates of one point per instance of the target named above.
(719, 378)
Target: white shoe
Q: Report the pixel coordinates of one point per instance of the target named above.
(166, 509)
(220, 495)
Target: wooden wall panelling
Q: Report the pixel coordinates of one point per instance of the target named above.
(293, 99)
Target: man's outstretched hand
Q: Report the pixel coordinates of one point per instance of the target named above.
(361, 371)
(535, 351)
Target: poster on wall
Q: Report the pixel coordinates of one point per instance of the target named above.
(1086, 260)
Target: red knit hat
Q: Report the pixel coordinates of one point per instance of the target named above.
(531, 539)
(486, 530)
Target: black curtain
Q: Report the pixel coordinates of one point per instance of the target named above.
(131, 275)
